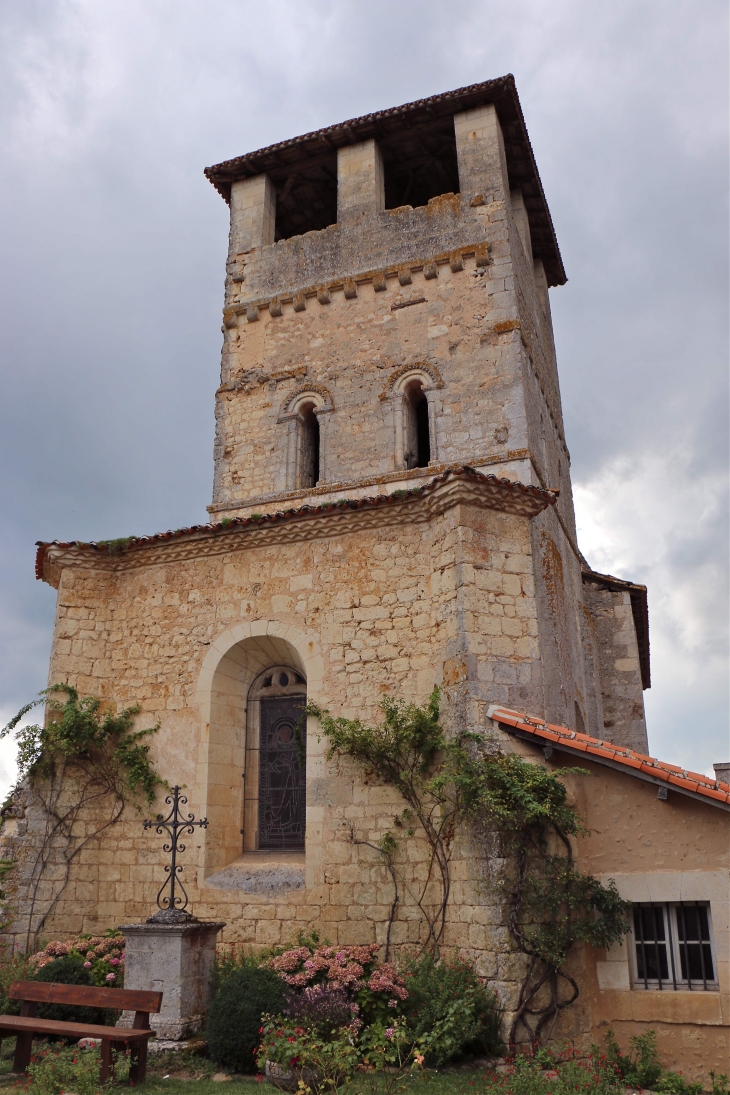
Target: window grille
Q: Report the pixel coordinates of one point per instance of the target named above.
(672, 946)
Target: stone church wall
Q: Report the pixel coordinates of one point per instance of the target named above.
(392, 608)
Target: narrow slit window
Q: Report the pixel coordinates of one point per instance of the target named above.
(418, 438)
(309, 442)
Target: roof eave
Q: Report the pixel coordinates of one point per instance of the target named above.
(563, 747)
(502, 92)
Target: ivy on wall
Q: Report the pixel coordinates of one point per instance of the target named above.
(83, 766)
(468, 780)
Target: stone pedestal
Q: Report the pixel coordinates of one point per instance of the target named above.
(172, 953)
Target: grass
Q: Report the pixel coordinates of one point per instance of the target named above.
(186, 1069)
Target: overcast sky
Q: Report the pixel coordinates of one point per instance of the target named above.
(113, 248)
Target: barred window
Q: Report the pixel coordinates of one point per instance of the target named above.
(673, 947)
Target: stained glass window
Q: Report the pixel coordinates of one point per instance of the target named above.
(281, 775)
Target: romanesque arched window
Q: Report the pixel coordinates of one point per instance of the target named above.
(275, 779)
(305, 414)
(417, 435)
(413, 394)
(308, 462)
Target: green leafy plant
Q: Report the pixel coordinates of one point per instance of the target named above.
(390, 1059)
(13, 967)
(641, 1066)
(674, 1083)
(234, 1017)
(720, 1083)
(57, 1069)
(448, 1004)
(446, 782)
(572, 1075)
(83, 766)
(321, 1060)
(114, 547)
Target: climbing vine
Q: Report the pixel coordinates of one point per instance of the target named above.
(467, 779)
(84, 765)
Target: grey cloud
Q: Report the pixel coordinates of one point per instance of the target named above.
(114, 244)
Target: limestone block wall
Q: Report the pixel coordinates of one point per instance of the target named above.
(393, 606)
(619, 670)
(353, 351)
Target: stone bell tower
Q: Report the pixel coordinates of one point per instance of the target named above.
(387, 323)
(391, 511)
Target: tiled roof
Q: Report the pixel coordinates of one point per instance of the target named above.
(531, 499)
(678, 779)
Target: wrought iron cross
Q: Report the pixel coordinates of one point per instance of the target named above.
(174, 825)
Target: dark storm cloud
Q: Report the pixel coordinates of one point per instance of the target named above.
(114, 245)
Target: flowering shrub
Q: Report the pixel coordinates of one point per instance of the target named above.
(376, 986)
(322, 1059)
(56, 1069)
(103, 956)
(323, 1008)
(389, 1057)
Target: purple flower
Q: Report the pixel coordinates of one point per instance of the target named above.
(390, 1031)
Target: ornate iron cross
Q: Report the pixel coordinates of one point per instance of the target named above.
(174, 825)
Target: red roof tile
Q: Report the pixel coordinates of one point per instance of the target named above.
(715, 791)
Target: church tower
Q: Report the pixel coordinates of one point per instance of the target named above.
(388, 330)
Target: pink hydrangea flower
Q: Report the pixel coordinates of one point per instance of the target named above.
(111, 977)
(87, 965)
(113, 961)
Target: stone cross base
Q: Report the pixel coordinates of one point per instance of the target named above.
(172, 953)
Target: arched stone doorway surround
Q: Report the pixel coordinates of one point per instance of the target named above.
(234, 660)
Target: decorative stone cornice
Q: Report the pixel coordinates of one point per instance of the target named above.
(322, 293)
(458, 485)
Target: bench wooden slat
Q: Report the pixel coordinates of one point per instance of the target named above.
(17, 1023)
(48, 992)
(25, 1025)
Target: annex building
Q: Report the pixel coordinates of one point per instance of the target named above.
(391, 510)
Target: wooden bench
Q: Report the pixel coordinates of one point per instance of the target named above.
(33, 993)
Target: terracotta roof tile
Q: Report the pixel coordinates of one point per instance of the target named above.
(461, 471)
(616, 755)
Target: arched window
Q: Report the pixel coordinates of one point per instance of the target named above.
(274, 794)
(306, 416)
(417, 439)
(308, 447)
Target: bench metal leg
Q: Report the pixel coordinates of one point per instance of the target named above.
(106, 1061)
(23, 1050)
(138, 1067)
